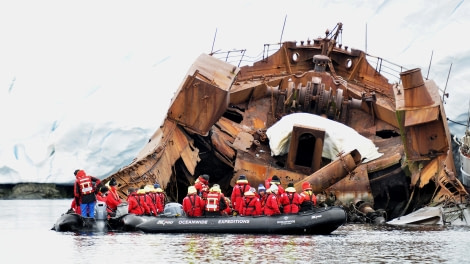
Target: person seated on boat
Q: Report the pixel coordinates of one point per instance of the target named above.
(274, 180)
(74, 207)
(308, 200)
(113, 199)
(84, 192)
(193, 205)
(149, 201)
(215, 202)
(262, 195)
(272, 204)
(136, 205)
(290, 200)
(155, 200)
(202, 185)
(161, 194)
(242, 185)
(102, 194)
(250, 205)
(229, 209)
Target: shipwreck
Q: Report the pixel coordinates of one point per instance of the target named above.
(315, 111)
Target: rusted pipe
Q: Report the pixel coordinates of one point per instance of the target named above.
(333, 172)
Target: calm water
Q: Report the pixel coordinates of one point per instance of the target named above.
(25, 235)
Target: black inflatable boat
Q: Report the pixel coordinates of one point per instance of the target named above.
(318, 221)
(123, 221)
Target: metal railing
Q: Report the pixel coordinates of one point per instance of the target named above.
(238, 57)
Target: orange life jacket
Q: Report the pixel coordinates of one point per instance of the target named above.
(213, 202)
(86, 186)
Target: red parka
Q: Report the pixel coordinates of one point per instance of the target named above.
(193, 205)
(113, 199)
(148, 200)
(84, 190)
(75, 207)
(156, 202)
(202, 187)
(308, 200)
(267, 184)
(272, 205)
(101, 197)
(291, 202)
(136, 204)
(250, 205)
(237, 194)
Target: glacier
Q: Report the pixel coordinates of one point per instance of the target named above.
(84, 85)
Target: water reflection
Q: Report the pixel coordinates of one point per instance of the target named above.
(244, 248)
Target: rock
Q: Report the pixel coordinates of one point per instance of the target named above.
(35, 191)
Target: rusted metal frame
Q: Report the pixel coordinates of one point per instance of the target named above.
(158, 158)
(356, 67)
(332, 41)
(175, 181)
(287, 59)
(332, 69)
(379, 69)
(343, 163)
(224, 159)
(273, 108)
(189, 154)
(220, 144)
(378, 65)
(241, 59)
(332, 172)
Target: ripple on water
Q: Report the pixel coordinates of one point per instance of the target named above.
(25, 234)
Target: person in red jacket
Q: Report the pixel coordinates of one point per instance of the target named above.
(142, 195)
(308, 200)
(161, 194)
(202, 185)
(250, 205)
(290, 200)
(215, 202)
(272, 204)
(238, 191)
(262, 195)
(229, 209)
(149, 190)
(155, 201)
(84, 193)
(274, 180)
(136, 204)
(102, 194)
(193, 205)
(113, 199)
(74, 207)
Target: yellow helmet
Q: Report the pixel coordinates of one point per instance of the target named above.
(215, 188)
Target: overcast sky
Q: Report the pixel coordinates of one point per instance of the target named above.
(65, 65)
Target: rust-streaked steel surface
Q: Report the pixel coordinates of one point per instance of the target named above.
(226, 110)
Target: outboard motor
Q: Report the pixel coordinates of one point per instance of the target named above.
(173, 209)
(122, 209)
(100, 211)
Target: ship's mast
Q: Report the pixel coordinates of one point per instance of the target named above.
(332, 42)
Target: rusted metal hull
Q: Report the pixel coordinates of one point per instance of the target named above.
(218, 119)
